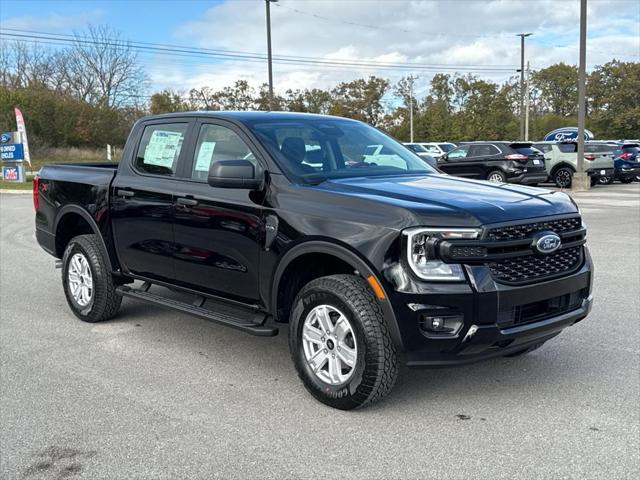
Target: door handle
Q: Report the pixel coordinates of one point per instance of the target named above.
(125, 193)
(187, 202)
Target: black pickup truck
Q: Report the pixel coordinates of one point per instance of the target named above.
(258, 219)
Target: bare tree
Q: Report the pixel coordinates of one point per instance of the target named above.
(103, 69)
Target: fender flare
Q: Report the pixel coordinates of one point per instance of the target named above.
(76, 209)
(347, 256)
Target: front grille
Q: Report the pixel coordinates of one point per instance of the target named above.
(520, 232)
(532, 267)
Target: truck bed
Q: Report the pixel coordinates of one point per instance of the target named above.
(81, 187)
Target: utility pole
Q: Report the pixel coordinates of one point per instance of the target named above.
(269, 60)
(411, 79)
(527, 100)
(580, 179)
(411, 108)
(522, 37)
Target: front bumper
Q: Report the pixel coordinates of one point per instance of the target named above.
(495, 315)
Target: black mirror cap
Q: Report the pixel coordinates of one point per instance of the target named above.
(236, 174)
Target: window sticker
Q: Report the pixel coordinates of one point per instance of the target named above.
(163, 148)
(205, 154)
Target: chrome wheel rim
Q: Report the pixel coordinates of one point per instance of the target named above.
(564, 178)
(80, 280)
(329, 344)
(495, 177)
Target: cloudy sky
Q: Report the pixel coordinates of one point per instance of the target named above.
(476, 36)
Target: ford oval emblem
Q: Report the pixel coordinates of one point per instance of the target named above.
(5, 137)
(546, 243)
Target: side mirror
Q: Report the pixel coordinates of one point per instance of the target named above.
(235, 174)
(444, 158)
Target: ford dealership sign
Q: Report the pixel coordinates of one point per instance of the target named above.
(566, 133)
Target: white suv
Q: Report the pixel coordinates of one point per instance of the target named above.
(438, 149)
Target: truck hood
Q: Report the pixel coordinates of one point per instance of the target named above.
(436, 198)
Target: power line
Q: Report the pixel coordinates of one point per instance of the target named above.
(44, 37)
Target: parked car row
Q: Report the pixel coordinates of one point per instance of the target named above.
(531, 163)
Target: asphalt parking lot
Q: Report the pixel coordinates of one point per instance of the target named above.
(154, 394)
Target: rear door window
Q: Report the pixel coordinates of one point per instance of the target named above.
(458, 153)
(483, 151)
(568, 147)
(160, 148)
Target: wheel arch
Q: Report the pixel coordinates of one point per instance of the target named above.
(344, 257)
(71, 221)
(560, 165)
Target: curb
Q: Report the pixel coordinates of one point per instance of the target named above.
(16, 192)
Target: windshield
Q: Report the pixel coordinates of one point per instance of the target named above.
(447, 147)
(316, 149)
(417, 148)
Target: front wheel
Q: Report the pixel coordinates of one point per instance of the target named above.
(87, 281)
(340, 343)
(627, 180)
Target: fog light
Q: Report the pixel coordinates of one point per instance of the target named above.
(446, 326)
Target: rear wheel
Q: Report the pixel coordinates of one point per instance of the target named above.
(497, 176)
(606, 180)
(562, 177)
(87, 281)
(340, 343)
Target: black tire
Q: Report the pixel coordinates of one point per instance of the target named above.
(519, 353)
(563, 177)
(493, 175)
(627, 180)
(104, 302)
(376, 367)
(594, 181)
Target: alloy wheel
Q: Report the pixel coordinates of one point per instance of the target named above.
(80, 280)
(329, 345)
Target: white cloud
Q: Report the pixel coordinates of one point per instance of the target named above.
(471, 34)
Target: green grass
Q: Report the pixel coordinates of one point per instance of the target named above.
(17, 185)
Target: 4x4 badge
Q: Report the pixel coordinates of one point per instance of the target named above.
(546, 243)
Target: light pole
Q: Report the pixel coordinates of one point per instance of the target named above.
(581, 180)
(527, 102)
(411, 79)
(268, 6)
(522, 37)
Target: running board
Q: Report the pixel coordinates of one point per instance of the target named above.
(233, 317)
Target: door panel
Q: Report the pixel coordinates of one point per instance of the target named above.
(142, 201)
(218, 231)
(143, 226)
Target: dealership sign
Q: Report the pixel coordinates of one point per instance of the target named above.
(11, 152)
(11, 174)
(566, 133)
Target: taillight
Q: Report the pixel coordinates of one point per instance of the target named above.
(36, 192)
(590, 157)
(517, 157)
(624, 155)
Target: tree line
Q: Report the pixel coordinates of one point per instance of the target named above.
(89, 94)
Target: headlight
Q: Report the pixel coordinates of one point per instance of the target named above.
(421, 252)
